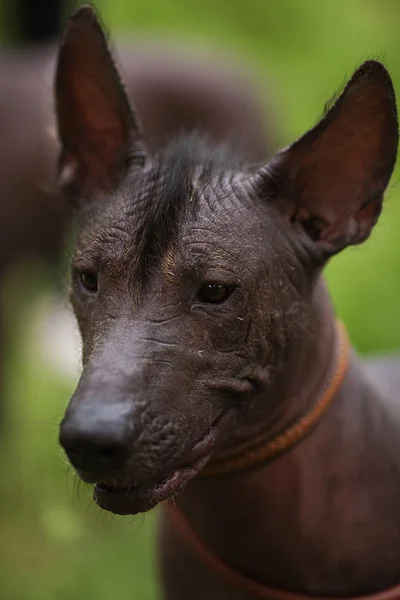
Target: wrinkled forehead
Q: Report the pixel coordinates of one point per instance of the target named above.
(177, 204)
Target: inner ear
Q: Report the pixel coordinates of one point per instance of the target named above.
(332, 180)
(99, 132)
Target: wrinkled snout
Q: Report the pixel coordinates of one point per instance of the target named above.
(128, 428)
(97, 438)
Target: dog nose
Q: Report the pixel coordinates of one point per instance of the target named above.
(96, 444)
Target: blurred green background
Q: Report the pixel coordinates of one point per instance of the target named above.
(54, 544)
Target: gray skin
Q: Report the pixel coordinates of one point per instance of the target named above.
(196, 282)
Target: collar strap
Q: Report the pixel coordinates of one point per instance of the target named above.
(296, 432)
(254, 589)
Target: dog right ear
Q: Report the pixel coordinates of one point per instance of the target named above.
(330, 183)
(99, 132)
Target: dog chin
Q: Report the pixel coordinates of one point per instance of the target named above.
(134, 500)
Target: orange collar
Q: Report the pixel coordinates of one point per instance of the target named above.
(296, 432)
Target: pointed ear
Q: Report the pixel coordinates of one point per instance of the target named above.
(99, 133)
(332, 180)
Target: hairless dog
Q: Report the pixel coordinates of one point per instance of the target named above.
(214, 370)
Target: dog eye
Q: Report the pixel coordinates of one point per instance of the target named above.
(88, 281)
(214, 293)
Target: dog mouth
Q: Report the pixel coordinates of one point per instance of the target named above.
(131, 500)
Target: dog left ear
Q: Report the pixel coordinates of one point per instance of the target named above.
(99, 132)
(331, 181)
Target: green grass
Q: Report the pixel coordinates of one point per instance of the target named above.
(54, 544)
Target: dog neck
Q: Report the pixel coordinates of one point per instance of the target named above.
(312, 520)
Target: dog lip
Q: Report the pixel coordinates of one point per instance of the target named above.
(131, 500)
(207, 442)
